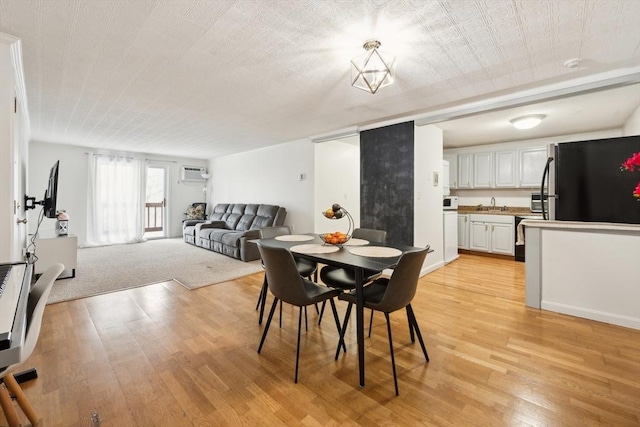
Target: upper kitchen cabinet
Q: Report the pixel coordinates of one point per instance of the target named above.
(483, 170)
(465, 171)
(453, 169)
(494, 169)
(531, 164)
(505, 169)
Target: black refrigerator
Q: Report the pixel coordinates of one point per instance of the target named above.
(585, 181)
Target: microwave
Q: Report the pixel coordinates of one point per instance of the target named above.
(536, 203)
(450, 203)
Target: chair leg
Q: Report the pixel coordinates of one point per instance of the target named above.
(281, 314)
(417, 329)
(324, 304)
(28, 410)
(393, 359)
(306, 323)
(344, 330)
(298, 346)
(266, 328)
(8, 409)
(370, 323)
(335, 316)
(264, 285)
(413, 338)
(262, 300)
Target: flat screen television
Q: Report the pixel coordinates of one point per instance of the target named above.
(50, 195)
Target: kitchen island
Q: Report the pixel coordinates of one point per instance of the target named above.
(584, 269)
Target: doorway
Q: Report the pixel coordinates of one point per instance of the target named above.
(155, 208)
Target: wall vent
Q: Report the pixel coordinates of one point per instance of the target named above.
(192, 173)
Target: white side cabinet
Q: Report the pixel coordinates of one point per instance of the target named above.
(492, 233)
(51, 249)
(463, 231)
(453, 169)
(531, 162)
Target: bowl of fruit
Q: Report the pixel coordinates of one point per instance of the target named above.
(337, 238)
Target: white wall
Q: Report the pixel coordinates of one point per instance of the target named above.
(428, 220)
(632, 125)
(337, 180)
(271, 176)
(517, 197)
(72, 186)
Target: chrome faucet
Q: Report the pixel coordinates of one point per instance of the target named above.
(493, 202)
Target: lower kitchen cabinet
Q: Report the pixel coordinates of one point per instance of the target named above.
(463, 231)
(491, 233)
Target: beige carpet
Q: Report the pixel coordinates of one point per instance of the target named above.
(113, 268)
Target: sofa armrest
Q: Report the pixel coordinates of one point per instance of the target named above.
(188, 222)
(251, 234)
(213, 224)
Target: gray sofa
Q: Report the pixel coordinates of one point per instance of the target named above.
(230, 228)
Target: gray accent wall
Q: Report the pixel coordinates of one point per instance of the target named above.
(387, 181)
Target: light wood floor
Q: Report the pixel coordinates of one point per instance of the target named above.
(161, 355)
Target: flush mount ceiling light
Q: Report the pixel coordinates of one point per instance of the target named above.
(370, 71)
(527, 122)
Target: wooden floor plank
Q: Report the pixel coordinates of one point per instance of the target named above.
(166, 356)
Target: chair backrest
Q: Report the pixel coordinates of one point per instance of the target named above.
(373, 236)
(283, 277)
(404, 281)
(35, 307)
(271, 232)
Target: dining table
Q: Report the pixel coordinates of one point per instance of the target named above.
(356, 254)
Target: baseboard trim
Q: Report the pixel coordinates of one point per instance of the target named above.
(601, 316)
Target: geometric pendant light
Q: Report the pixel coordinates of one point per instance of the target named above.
(370, 71)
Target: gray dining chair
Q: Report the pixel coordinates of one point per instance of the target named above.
(344, 278)
(391, 294)
(306, 268)
(286, 284)
(35, 310)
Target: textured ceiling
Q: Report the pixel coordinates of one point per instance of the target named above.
(209, 78)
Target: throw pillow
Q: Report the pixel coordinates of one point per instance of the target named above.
(195, 212)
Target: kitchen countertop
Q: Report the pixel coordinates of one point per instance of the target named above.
(499, 210)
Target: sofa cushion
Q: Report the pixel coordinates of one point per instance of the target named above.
(220, 212)
(264, 216)
(245, 222)
(232, 221)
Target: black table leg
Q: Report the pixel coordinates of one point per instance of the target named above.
(360, 323)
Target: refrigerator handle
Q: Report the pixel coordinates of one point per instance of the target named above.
(545, 176)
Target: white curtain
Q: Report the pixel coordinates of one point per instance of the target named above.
(115, 211)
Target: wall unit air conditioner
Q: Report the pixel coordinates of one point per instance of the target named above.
(192, 173)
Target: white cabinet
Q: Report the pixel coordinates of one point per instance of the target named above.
(450, 236)
(463, 231)
(52, 249)
(502, 238)
(465, 171)
(446, 189)
(453, 169)
(483, 170)
(505, 169)
(492, 233)
(531, 163)
(478, 236)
